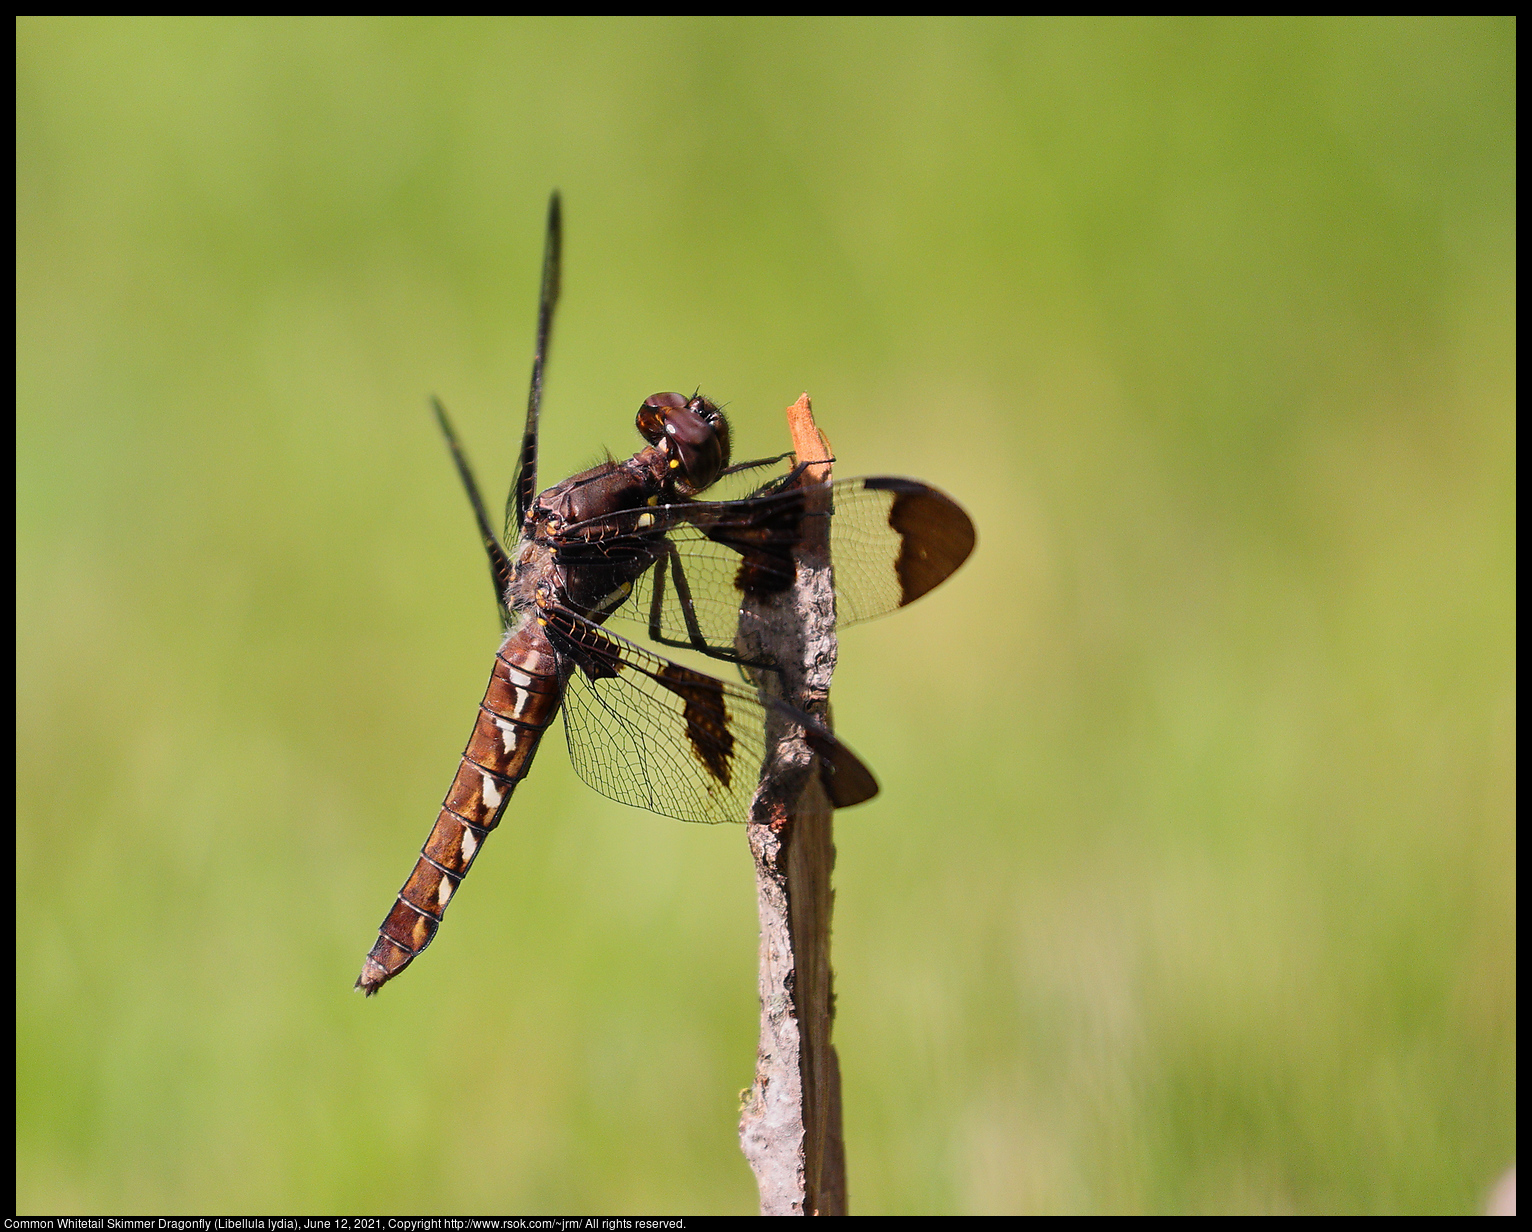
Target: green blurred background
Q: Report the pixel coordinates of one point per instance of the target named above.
(1191, 884)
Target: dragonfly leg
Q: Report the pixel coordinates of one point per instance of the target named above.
(694, 639)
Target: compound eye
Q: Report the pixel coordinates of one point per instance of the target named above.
(653, 412)
(695, 435)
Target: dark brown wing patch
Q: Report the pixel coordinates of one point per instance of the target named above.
(707, 721)
(765, 544)
(935, 534)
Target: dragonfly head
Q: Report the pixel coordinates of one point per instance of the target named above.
(694, 435)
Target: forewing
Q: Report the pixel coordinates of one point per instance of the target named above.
(660, 736)
(524, 485)
(891, 541)
(499, 562)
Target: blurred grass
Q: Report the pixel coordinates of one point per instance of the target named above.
(1191, 885)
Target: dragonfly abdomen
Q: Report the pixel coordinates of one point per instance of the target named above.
(524, 692)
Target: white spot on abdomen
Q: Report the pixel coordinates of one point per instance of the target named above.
(492, 796)
(469, 844)
(507, 734)
(444, 891)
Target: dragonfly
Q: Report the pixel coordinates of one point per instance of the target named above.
(634, 542)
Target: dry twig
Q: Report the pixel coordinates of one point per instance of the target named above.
(790, 1128)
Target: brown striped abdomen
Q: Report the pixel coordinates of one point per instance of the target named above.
(524, 692)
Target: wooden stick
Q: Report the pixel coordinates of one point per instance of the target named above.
(790, 1126)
